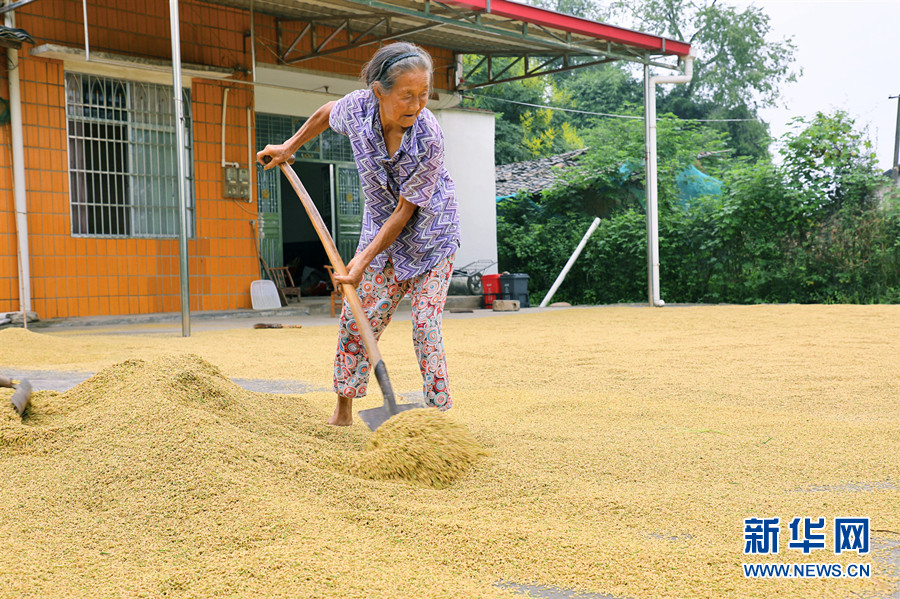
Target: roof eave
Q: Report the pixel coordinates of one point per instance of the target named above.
(573, 24)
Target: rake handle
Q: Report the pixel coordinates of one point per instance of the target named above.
(350, 294)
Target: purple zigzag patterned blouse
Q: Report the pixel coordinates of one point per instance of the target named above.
(416, 172)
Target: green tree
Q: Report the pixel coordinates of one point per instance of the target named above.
(737, 65)
(608, 89)
(737, 72)
(738, 69)
(852, 244)
(615, 159)
(831, 162)
(588, 9)
(524, 131)
(747, 134)
(537, 235)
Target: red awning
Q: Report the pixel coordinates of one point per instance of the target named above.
(564, 22)
(514, 40)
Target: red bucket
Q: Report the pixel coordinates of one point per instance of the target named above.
(490, 285)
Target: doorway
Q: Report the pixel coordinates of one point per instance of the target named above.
(300, 244)
(287, 235)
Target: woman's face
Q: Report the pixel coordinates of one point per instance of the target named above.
(406, 100)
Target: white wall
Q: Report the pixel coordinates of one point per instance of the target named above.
(469, 156)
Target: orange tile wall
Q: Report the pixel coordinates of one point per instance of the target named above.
(83, 276)
(226, 242)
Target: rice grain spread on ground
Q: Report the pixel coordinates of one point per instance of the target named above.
(626, 446)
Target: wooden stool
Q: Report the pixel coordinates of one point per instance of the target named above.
(283, 280)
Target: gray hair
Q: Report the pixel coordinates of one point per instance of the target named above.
(391, 61)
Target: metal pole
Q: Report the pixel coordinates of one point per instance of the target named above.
(182, 170)
(252, 43)
(87, 43)
(332, 183)
(568, 266)
(895, 166)
(20, 200)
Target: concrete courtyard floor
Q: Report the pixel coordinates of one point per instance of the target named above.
(627, 447)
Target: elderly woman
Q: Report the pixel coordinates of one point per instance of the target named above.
(410, 228)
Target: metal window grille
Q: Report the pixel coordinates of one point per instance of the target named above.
(270, 128)
(336, 147)
(123, 158)
(329, 146)
(350, 197)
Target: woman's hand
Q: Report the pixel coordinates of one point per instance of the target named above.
(355, 270)
(277, 152)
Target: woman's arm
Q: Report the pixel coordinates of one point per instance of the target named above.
(313, 126)
(382, 241)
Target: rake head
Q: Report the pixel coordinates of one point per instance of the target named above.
(22, 397)
(375, 417)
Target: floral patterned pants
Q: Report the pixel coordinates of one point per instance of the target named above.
(381, 292)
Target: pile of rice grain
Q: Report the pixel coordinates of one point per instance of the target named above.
(422, 446)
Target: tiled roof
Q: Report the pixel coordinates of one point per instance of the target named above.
(534, 175)
(10, 37)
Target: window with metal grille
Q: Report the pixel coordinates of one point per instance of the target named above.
(123, 169)
(330, 145)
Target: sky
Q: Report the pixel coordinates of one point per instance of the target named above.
(849, 51)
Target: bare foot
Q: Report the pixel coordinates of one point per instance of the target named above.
(343, 412)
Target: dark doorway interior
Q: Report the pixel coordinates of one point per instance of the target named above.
(303, 251)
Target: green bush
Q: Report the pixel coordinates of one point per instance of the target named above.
(813, 229)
